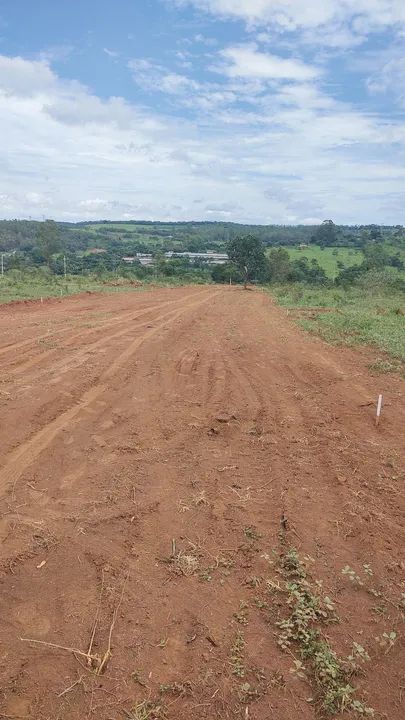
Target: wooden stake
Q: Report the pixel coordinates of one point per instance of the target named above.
(379, 408)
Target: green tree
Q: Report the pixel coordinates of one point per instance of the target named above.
(375, 233)
(279, 264)
(48, 240)
(375, 256)
(326, 234)
(226, 273)
(247, 254)
(311, 272)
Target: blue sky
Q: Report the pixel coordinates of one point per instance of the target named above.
(269, 111)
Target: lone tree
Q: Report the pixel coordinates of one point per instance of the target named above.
(247, 254)
(48, 239)
(326, 234)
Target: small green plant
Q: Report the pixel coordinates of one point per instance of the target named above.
(206, 575)
(137, 677)
(260, 604)
(352, 575)
(238, 656)
(361, 708)
(247, 693)
(388, 640)
(252, 534)
(177, 689)
(358, 655)
(241, 617)
(298, 669)
(317, 661)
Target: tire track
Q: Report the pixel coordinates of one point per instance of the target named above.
(22, 457)
(24, 366)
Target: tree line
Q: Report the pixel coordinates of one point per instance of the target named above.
(24, 235)
(250, 262)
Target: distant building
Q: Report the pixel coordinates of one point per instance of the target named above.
(302, 246)
(144, 259)
(210, 257)
(96, 251)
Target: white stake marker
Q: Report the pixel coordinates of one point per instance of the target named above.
(379, 408)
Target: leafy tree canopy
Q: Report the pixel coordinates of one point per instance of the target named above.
(246, 252)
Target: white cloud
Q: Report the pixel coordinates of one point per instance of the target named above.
(350, 19)
(296, 153)
(113, 54)
(245, 61)
(23, 77)
(152, 76)
(203, 40)
(390, 78)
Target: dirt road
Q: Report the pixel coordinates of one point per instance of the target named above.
(162, 452)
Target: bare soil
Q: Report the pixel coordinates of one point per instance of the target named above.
(159, 452)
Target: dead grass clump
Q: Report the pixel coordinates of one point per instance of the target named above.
(200, 499)
(185, 563)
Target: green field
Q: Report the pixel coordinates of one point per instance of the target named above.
(329, 257)
(358, 315)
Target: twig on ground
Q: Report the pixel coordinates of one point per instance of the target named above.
(68, 689)
(107, 654)
(75, 651)
(97, 615)
(95, 662)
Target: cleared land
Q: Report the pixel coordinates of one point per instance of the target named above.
(162, 453)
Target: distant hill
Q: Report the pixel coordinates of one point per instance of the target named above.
(144, 236)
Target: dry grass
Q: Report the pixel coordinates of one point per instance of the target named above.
(185, 563)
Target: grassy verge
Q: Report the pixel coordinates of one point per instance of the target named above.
(17, 285)
(355, 316)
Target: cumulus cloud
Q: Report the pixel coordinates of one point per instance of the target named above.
(349, 19)
(269, 152)
(25, 78)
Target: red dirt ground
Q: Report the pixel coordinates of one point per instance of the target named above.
(159, 451)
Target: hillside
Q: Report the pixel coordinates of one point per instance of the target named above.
(21, 235)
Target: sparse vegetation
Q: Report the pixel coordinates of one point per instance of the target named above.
(370, 314)
(237, 659)
(300, 630)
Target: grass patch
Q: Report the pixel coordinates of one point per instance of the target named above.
(32, 285)
(355, 316)
(329, 257)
